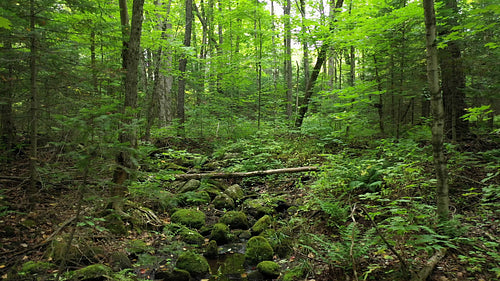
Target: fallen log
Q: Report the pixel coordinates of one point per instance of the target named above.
(429, 266)
(245, 174)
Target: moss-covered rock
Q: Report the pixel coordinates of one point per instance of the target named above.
(92, 272)
(35, 267)
(235, 220)
(189, 217)
(281, 243)
(258, 249)
(257, 208)
(191, 185)
(194, 198)
(175, 275)
(138, 246)
(195, 264)
(220, 233)
(191, 236)
(212, 250)
(269, 269)
(296, 273)
(236, 192)
(120, 261)
(262, 224)
(57, 251)
(223, 201)
(115, 224)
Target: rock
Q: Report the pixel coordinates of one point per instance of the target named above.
(257, 208)
(115, 225)
(176, 275)
(295, 273)
(120, 261)
(138, 246)
(191, 185)
(189, 217)
(194, 198)
(220, 233)
(212, 250)
(33, 268)
(258, 249)
(195, 264)
(92, 272)
(262, 224)
(269, 269)
(235, 192)
(235, 220)
(223, 201)
(256, 276)
(191, 236)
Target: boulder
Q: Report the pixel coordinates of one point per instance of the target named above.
(191, 185)
(195, 264)
(269, 269)
(220, 233)
(258, 249)
(262, 224)
(189, 217)
(223, 201)
(235, 220)
(236, 192)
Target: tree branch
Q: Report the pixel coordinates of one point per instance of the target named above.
(246, 174)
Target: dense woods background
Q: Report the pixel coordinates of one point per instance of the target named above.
(114, 98)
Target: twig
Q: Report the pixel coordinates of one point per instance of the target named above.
(353, 234)
(404, 266)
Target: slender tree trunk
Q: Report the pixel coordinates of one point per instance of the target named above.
(304, 105)
(181, 93)
(442, 198)
(288, 60)
(380, 105)
(124, 160)
(305, 47)
(453, 78)
(34, 101)
(7, 127)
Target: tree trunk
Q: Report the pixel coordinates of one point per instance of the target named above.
(437, 112)
(34, 101)
(246, 174)
(304, 105)
(181, 93)
(131, 58)
(453, 78)
(7, 128)
(288, 60)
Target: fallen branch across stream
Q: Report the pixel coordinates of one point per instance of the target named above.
(246, 174)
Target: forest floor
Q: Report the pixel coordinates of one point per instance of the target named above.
(30, 223)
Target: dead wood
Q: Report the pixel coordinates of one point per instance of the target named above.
(245, 174)
(429, 266)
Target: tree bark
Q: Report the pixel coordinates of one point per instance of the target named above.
(442, 198)
(288, 59)
(246, 174)
(181, 93)
(304, 105)
(34, 101)
(453, 78)
(131, 58)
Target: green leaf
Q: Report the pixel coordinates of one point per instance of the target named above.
(5, 23)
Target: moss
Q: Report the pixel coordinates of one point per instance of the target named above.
(120, 261)
(191, 236)
(235, 192)
(115, 225)
(194, 198)
(257, 207)
(235, 220)
(223, 201)
(189, 217)
(220, 233)
(258, 249)
(138, 246)
(262, 224)
(195, 264)
(95, 271)
(293, 274)
(269, 269)
(191, 185)
(212, 250)
(38, 267)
